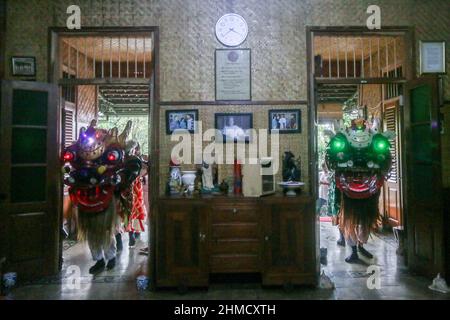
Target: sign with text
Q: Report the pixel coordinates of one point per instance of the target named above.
(233, 74)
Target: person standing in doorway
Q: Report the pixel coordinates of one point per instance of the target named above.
(324, 183)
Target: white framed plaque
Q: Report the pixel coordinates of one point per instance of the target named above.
(432, 57)
(233, 75)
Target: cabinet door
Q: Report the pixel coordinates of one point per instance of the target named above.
(183, 249)
(289, 239)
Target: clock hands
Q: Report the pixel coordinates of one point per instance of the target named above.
(227, 33)
(231, 30)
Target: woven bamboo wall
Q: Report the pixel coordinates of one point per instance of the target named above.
(277, 36)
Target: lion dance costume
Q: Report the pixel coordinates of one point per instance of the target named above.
(361, 160)
(99, 167)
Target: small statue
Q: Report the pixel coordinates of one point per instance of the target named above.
(291, 167)
(174, 178)
(198, 180)
(207, 176)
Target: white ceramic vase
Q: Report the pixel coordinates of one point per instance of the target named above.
(188, 179)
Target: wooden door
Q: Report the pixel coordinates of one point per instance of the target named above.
(183, 245)
(30, 179)
(424, 216)
(289, 250)
(392, 187)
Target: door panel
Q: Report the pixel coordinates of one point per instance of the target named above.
(424, 179)
(29, 162)
(182, 253)
(289, 253)
(392, 187)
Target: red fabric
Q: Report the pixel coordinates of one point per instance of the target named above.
(138, 211)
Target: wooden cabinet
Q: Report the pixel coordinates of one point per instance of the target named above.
(182, 245)
(289, 244)
(274, 236)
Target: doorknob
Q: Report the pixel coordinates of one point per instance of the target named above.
(202, 236)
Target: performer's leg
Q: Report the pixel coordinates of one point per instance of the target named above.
(363, 236)
(353, 257)
(110, 253)
(132, 241)
(97, 255)
(341, 241)
(119, 242)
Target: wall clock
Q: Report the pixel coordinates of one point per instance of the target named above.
(231, 30)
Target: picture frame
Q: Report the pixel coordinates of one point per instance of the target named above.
(22, 66)
(181, 119)
(233, 75)
(432, 57)
(234, 127)
(292, 122)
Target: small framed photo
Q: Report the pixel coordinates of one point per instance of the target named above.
(234, 127)
(23, 66)
(285, 121)
(181, 120)
(432, 57)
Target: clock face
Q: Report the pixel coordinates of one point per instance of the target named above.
(231, 30)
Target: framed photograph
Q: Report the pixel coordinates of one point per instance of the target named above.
(234, 126)
(23, 66)
(285, 121)
(432, 57)
(233, 75)
(181, 120)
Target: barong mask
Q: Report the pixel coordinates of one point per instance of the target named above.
(361, 158)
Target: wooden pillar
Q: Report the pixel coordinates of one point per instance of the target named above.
(2, 38)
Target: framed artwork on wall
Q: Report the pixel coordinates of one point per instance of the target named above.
(181, 120)
(234, 127)
(285, 121)
(23, 66)
(432, 57)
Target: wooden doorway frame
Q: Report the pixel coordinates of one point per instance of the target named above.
(54, 33)
(312, 82)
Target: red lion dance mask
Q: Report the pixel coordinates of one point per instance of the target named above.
(98, 166)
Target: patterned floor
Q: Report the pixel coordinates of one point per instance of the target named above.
(350, 280)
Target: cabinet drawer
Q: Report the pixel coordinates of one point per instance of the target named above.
(234, 263)
(234, 214)
(235, 246)
(235, 230)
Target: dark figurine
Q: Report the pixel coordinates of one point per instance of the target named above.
(291, 167)
(223, 187)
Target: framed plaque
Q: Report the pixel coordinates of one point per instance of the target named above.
(23, 66)
(233, 74)
(432, 57)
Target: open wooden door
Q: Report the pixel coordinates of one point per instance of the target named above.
(424, 217)
(30, 178)
(392, 186)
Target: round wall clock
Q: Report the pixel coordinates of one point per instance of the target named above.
(231, 30)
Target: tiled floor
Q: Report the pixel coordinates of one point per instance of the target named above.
(350, 280)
